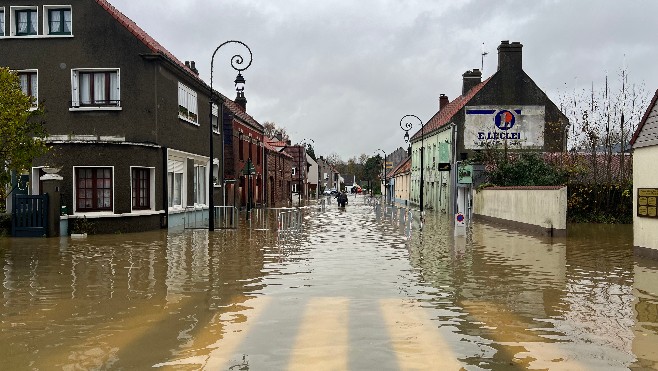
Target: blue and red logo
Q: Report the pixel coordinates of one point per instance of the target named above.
(505, 120)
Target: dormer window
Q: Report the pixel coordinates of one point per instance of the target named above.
(26, 21)
(58, 21)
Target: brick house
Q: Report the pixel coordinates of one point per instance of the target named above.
(128, 122)
(243, 143)
(278, 167)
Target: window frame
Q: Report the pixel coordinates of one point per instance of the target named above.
(150, 188)
(200, 187)
(188, 98)
(30, 72)
(3, 33)
(77, 105)
(14, 15)
(171, 182)
(76, 189)
(215, 119)
(47, 9)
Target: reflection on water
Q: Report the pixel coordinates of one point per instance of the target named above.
(348, 291)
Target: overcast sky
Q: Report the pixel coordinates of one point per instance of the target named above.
(343, 73)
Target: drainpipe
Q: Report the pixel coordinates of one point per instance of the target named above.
(453, 174)
(164, 221)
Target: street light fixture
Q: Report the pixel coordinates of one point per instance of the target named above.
(236, 62)
(406, 126)
(384, 172)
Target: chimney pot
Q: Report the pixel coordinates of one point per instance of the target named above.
(187, 64)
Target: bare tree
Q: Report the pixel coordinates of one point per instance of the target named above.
(274, 131)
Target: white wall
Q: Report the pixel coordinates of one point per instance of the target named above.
(545, 208)
(645, 230)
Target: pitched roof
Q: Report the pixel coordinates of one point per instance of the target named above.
(140, 34)
(271, 148)
(443, 116)
(402, 167)
(644, 118)
(157, 48)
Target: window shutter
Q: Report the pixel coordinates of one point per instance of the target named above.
(74, 89)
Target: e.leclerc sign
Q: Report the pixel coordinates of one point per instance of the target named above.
(517, 127)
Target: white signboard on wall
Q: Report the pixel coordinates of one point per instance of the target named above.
(514, 126)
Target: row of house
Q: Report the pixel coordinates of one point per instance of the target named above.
(130, 125)
(506, 110)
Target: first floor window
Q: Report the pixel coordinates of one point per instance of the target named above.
(96, 88)
(29, 85)
(175, 183)
(59, 21)
(294, 187)
(187, 104)
(294, 171)
(215, 118)
(199, 184)
(26, 22)
(94, 189)
(141, 188)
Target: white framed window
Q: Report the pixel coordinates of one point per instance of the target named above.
(57, 20)
(200, 184)
(215, 119)
(175, 183)
(30, 85)
(94, 189)
(294, 187)
(187, 104)
(2, 21)
(95, 89)
(24, 21)
(142, 188)
(294, 171)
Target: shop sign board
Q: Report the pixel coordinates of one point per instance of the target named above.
(517, 127)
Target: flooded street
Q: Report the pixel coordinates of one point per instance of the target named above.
(347, 292)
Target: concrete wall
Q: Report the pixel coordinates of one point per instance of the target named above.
(540, 208)
(645, 230)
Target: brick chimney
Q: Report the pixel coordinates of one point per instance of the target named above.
(241, 101)
(509, 55)
(443, 101)
(471, 78)
(193, 67)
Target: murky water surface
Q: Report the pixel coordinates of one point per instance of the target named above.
(347, 292)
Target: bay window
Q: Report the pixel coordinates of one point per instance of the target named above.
(175, 183)
(200, 184)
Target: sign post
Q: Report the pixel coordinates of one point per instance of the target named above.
(460, 224)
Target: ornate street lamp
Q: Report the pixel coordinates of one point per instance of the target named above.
(406, 126)
(384, 170)
(236, 62)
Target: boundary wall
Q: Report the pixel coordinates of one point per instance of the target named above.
(540, 209)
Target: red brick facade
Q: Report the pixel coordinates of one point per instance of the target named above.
(279, 177)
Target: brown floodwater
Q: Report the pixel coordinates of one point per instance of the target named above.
(348, 291)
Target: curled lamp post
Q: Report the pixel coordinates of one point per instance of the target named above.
(237, 61)
(384, 173)
(406, 126)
